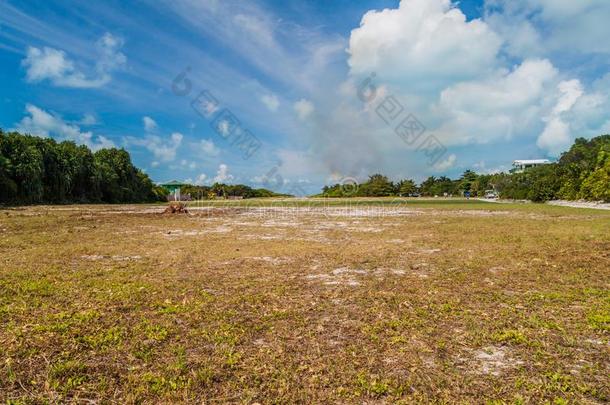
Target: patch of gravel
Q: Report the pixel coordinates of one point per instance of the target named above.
(596, 205)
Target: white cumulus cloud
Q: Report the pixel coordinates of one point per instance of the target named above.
(422, 39)
(42, 123)
(54, 65)
(162, 149)
(201, 179)
(223, 175)
(557, 136)
(504, 105)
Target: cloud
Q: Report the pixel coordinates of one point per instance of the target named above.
(481, 167)
(504, 105)
(415, 51)
(271, 102)
(446, 164)
(422, 53)
(425, 42)
(471, 95)
(546, 26)
(185, 164)
(303, 108)
(162, 149)
(300, 57)
(556, 136)
(296, 163)
(54, 65)
(149, 124)
(589, 115)
(208, 147)
(201, 179)
(110, 57)
(255, 27)
(88, 119)
(224, 127)
(222, 175)
(45, 124)
(46, 63)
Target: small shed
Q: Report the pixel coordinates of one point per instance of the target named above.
(174, 188)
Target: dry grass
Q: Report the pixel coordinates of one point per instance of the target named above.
(432, 302)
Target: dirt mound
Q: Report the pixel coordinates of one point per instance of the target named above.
(176, 208)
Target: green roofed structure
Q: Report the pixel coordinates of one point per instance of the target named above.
(174, 188)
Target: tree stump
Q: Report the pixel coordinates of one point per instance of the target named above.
(176, 207)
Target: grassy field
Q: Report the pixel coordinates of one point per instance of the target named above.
(366, 301)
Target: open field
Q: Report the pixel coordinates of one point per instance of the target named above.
(375, 301)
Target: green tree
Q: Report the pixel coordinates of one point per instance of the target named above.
(8, 187)
(596, 186)
(406, 187)
(427, 186)
(468, 183)
(26, 169)
(543, 183)
(578, 163)
(377, 186)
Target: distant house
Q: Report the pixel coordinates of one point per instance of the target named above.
(174, 189)
(520, 165)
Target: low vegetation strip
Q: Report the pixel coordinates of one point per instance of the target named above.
(582, 172)
(462, 302)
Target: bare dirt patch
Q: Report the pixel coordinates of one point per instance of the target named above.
(494, 360)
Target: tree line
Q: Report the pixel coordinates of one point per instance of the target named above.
(583, 172)
(35, 170)
(221, 190)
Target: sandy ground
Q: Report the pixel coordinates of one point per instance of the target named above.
(581, 204)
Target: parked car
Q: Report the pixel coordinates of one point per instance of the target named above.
(491, 194)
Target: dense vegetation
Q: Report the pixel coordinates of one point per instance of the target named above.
(221, 190)
(36, 170)
(583, 172)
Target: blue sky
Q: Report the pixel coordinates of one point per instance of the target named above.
(476, 84)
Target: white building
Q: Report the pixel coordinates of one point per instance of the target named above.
(520, 165)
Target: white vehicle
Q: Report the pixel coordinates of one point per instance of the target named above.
(491, 194)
